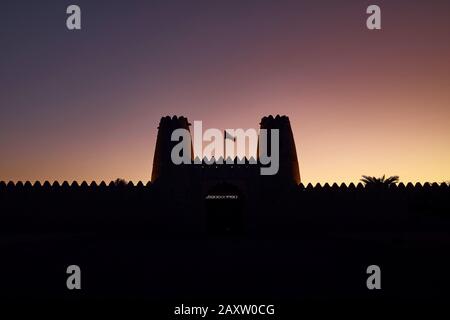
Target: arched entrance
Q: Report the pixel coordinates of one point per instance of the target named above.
(224, 209)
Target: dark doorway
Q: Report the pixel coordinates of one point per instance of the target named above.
(224, 210)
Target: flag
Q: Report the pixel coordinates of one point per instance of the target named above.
(229, 136)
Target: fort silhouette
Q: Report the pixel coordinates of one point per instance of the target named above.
(212, 233)
(164, 169)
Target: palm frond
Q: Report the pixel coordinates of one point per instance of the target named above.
(391, 180)
(383, 181)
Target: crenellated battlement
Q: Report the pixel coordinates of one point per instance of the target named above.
(317, 187)
(277, 122)
(174, 122)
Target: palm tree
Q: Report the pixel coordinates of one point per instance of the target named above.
(380, 182)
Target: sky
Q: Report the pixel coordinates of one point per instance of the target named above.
(85, 105)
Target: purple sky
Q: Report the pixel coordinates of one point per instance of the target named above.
(84, 105)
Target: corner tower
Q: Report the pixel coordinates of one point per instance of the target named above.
(162, 162)
(288, 169)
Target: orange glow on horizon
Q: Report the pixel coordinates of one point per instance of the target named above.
(359, 102)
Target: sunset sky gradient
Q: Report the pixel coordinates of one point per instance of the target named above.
(85, 105)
